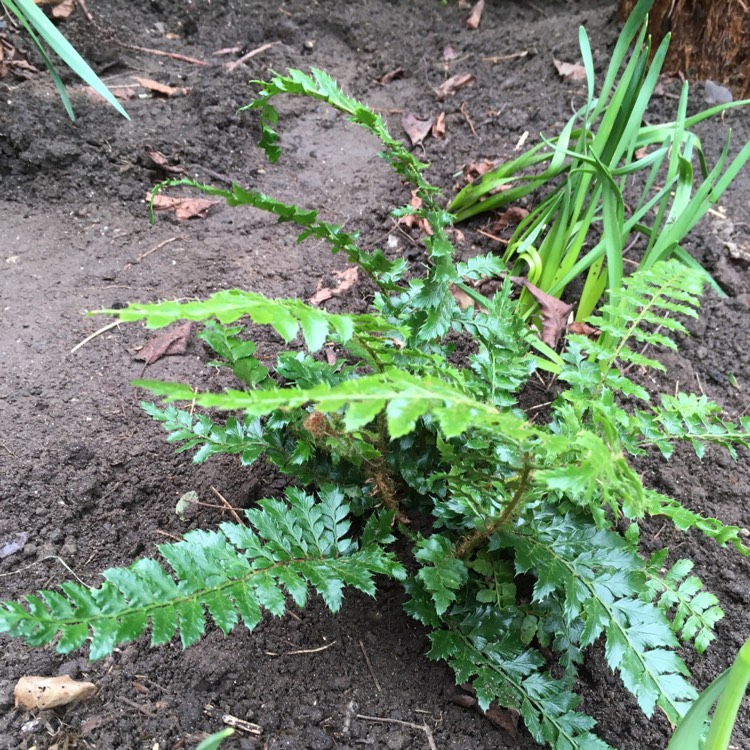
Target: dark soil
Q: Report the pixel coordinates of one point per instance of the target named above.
(87, 478)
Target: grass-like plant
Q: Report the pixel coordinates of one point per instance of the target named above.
(727, 692)
(42, 30)
(519, 538)
(606, 157)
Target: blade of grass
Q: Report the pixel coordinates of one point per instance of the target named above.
(65, 50)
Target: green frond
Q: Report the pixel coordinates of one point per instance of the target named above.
(232, 574)
(598, 579)
(694, 611)
(244, 437)
(694, 419)
(319, 85)
(684, 519)
(286, 316)
(385, 272)
(404, 397)
(649, 300)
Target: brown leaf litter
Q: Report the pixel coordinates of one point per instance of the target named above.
(184, 208)
(346, 280)
(172, 341)
(453, 84)
(41, 693)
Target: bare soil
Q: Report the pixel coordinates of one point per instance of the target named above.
(87, 480)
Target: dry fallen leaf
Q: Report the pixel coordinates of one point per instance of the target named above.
(438, 127)
(512, 216)
(453, 84)
(411, 220)
(347, 279)
(184, 208)
(570, 71)
(49, 692)
(472, 22)
(502, 718)
(584, 329)
(161, 88)
(416, 128)
(477, 168)
(554, 313)
(63, 9)
(463, 299)
(162, 162)
(172, 341)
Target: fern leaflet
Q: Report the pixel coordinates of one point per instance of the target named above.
(233, 573)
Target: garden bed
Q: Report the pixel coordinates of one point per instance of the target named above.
(86, 478)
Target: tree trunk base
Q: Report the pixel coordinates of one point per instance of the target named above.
(710, 39)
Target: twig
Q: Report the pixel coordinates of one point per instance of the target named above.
(106, 328)
(208, 505)
(162, 53)
(369, 666)
(493, 237)
(421, 727)
(502, 58)
(232, 65)
(298, 651)
(233, 721)
(227, 51)
(148, 252)
(168, 535)
(49, 557)
(86, 11)
(154, 249)
(137, 706)
(5, 448)
(467, 118)
(227, 505)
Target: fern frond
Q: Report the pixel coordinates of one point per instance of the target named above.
(385, 272)
(598, 578)
(245, 437)
(232, 574)
(482, 646)
(640, 312)
(405, 398)
(684, 519)
(319, 85)
(695, 419)
(694, 610)
(517, 679)
(286, 316)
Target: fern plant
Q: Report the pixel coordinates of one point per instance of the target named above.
(399, 442)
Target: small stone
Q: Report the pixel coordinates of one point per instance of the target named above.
(31, 726)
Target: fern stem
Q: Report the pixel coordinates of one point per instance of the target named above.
(469, 543)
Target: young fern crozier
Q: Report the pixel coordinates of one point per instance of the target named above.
(393, 432)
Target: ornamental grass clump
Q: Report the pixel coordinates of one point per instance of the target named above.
(586, 175)
(519, 540)
(42, 32)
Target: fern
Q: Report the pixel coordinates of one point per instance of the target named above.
(694, 610)
(520, 564)
(232, 574)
